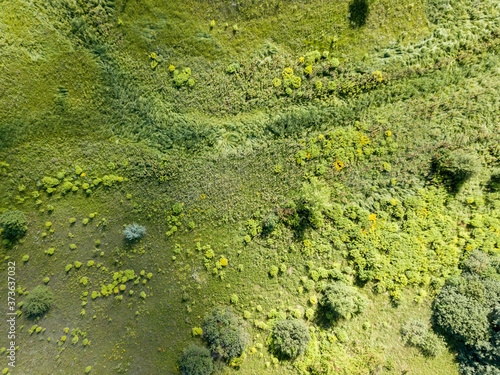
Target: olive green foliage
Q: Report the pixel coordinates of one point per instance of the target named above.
(342, 301)
(458, 165)
(417, 333)
(38, 301)
(270, 222)
(196, 360)
(224, 333)
(14, 223)
(289, 338)
(134, 232)
(466, 310)
(314, 200)
(182, 77)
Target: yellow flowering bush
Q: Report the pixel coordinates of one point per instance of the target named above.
(287, 73)
(377, 75)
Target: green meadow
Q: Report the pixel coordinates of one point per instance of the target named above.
(300, 187)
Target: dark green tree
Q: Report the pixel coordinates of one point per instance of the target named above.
(196, 360)
(38, 301)
(224, 333)
(467, 312)
(289, 338)
(14, 223)
(343, 301)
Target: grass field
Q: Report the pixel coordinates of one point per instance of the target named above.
(269, 148)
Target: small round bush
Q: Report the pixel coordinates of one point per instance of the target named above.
(224, 333)
(14, 223)
(289, 338)
(134, 231)
(38, 301)
(196, 360)
(343, 301)
(414, 332)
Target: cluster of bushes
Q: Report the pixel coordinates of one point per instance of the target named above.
(225, 336)
(467, 311)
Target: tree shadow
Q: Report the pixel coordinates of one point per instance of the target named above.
(358, 12)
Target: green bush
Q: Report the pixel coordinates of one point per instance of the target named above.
(181, 78)
(232, 68)
(467, 312)
(14, 223)
(416, 333)
(289, 338)
(457, 165)
(478, 263)
(196, 360)
(343, 301)
(270, 222)
(134, 231)
(315, 199)
(462, 317)
(38, 301)
(224, 333)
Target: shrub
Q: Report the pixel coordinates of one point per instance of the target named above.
(224, 333)
(315, 199)
(462, 317)
(457, 165)
(181, 78)
(296, 82)
(289, 338)
(14, 223)
(466, 311)
(270, 222)
(416, 333)
(232, 68)
(332, 86)
(478, 262)
(38, 301)
(312, 57)
(334, 62)
(287, 73)
(134, 231)
(343, 301)
(196, 360)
